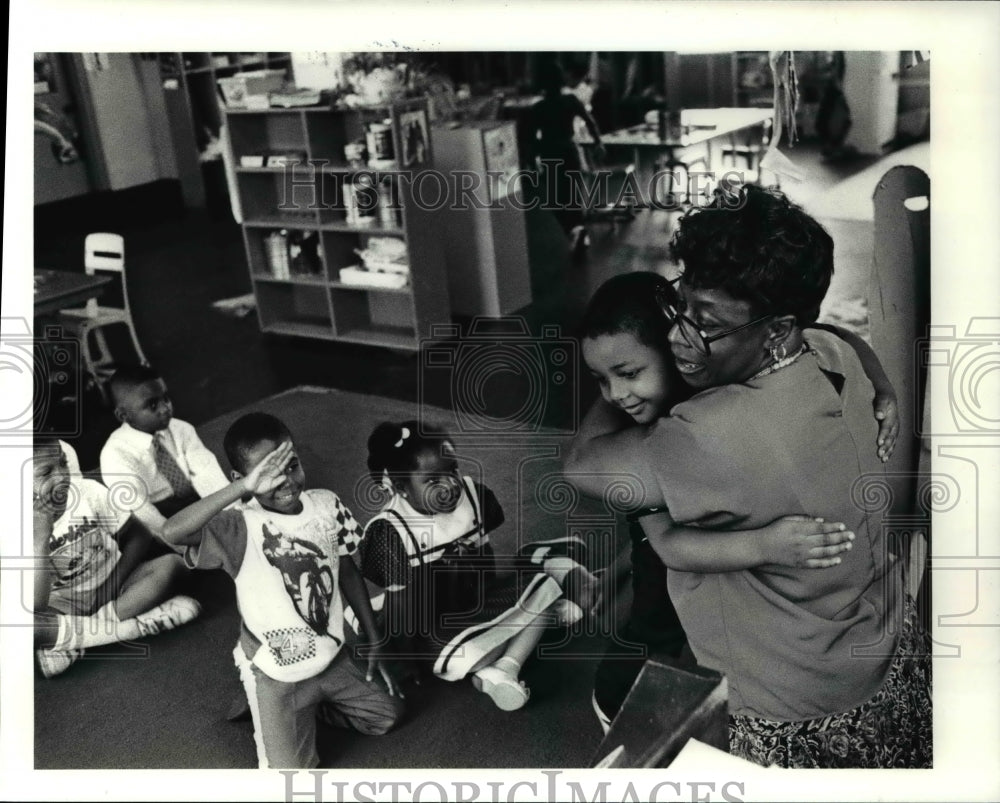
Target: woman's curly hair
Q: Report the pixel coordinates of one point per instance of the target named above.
(759, 247)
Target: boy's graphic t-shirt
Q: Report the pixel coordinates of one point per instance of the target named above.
(82, 548)
(285, 568)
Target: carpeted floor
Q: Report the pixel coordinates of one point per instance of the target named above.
(161, 703)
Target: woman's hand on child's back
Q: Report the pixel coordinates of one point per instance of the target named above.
(887, 414)
(269, 473)
(805, 542)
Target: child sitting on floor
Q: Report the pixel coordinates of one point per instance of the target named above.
(429, 549)
(288, 551)
(624, 344)
(94, 585)
(163, 453)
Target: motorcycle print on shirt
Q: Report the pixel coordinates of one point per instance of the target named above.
(305, 570)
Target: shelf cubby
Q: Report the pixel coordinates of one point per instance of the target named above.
(339, 252)
(287, 306)
(259, 133)
(280, 195)
(329, 133)
(369, 315)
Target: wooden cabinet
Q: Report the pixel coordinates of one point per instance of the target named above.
(486, 242)
(309, 204)
(871, 90)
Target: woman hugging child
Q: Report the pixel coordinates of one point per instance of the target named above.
(429, 548)
(625, 347)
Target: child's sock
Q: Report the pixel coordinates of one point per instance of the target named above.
(79, 632)
(508, 665)
(558, 567)
(104, 626)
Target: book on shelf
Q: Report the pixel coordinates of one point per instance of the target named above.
(286, 158)
(358, 276)
(295, 98)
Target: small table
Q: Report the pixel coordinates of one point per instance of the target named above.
(56, 290)
(700, 126)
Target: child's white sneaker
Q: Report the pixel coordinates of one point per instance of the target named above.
(506, 691)
(175, 612)
(55, 662)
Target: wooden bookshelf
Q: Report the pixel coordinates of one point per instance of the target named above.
(318, 304)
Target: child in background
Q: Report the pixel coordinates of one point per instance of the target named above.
(429, 549)
(163, 453)
(624, 344)
(288, 551)
(94, 585)
(551, 125)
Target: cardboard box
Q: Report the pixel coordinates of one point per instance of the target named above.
(237, 88)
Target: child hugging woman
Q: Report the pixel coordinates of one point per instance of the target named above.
(429, 548)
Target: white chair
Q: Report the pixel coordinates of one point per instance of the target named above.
(102, 252)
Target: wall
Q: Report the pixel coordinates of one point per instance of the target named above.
(872, 93)
(914, 101)
(318, 70)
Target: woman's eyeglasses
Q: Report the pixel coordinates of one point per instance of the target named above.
(672, 304)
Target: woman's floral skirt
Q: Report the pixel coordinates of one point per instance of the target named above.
(891, 730)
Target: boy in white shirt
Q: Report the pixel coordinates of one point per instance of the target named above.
(160, 456)
(72, 461)
(95, 583)
(289, 551)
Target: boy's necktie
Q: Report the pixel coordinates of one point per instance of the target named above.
(168, 467)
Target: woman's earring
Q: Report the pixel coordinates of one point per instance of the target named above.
(779, 352)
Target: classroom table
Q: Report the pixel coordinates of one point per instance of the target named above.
(700, 130)
(57, 290)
